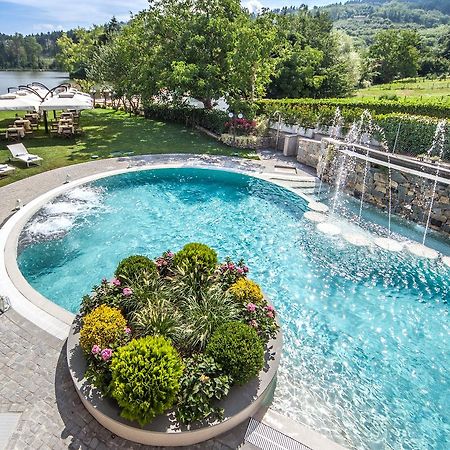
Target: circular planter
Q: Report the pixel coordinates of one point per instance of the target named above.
(240, 404)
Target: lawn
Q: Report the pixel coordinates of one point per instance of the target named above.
(414, 88)
(108, 133)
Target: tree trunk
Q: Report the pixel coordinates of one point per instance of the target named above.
(208, 103)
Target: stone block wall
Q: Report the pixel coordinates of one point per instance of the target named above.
(410, 194)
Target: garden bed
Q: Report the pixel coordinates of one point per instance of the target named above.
(203, 387)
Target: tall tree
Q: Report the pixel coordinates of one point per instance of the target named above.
(396, 54)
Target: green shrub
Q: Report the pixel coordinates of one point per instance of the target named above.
(104, 326)
(134, 267)
(145, 378)
(158, 317)
(246, 291)
(417, 119)
(203, 314)
(105, 293)
(195, 256)
(238, 349)
(212, 120)
(202, 383)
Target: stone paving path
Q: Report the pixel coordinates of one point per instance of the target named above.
(35, 382)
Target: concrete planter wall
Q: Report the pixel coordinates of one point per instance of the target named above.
(240, 404)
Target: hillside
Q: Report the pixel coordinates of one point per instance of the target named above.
(363, 19)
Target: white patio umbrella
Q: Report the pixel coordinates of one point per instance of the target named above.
(19, 102)
(70, 99)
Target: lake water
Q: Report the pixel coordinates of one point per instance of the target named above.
(16, 78)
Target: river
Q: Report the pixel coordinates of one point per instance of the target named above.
(16, 78)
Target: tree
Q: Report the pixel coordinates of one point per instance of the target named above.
(396, 54)
(76, 52)
(256, 55)
(316, 62)
(205, 49)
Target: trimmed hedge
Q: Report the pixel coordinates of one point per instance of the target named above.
(430, 108)
(212, 120)
(103, 327)
(146, 378)
(416, 131)
(238, 349)
(135, 267)
(196, 257)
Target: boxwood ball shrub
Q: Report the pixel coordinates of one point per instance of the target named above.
(145, 378)
(196, 257)
(238, 349)
(134, 267)
(103, 326)
(246, 291)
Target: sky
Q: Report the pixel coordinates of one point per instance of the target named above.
(36, 16)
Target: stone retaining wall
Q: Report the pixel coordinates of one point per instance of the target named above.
(410, 194)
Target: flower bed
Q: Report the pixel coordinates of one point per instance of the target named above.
(175, 345)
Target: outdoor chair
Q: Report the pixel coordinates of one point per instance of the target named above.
(5, 169)
(20, 153)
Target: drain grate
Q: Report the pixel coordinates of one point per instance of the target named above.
(267, 438)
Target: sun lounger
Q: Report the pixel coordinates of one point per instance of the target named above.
(19, 152)
(5, 169)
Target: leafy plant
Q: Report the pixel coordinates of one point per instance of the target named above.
(201, 384)
(262, 318)
(204, 313)
(103, 327)
(198, 257)
(106, 293)
(238, 349)
(158, 317)
(134, 268)
(229, 272)
(164, 263)
(246, 291)
(145, 378)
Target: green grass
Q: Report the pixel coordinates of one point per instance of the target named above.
(107, 132)
(419, 88)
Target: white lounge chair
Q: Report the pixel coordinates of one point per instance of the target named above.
(5, 169)
(18, 151)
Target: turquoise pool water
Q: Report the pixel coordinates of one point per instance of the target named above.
(366, 353)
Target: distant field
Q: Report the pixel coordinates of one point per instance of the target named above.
(418, 88)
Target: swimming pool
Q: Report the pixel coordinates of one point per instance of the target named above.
(366, 332)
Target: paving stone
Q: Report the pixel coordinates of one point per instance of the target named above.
(37, 383)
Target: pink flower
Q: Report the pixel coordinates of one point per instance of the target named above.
(240, 270)
(170, 254)
(270, 308)
(251, 307)
(253, 323)
(127, 292)
(270, 314)
(106, 354)
(245, 269)
(95, 350)
(127, 330)
(115, 282)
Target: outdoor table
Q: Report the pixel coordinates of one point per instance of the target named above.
(32, 116)
(25, 123)
(63, 127)
(13, 130)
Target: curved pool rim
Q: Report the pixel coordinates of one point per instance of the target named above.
(23, 297)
